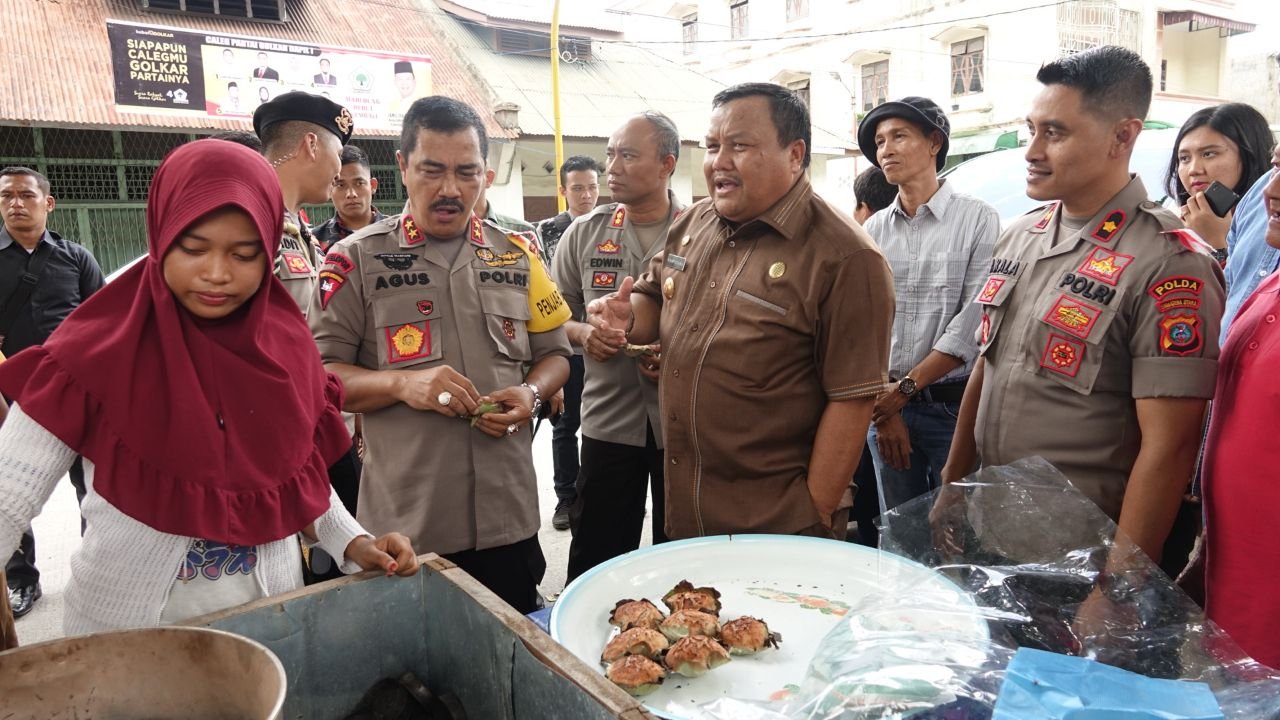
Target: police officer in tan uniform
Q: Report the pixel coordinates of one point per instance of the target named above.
(1100, 313)
(621, 421)
(428, 317)
(302, 137)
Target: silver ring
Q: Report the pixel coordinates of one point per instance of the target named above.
(512, 429)
(444, 398)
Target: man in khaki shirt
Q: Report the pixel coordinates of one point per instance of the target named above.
(1099, 334)
(425, 316)
(302, 137)
(621, 425)
(774, 312)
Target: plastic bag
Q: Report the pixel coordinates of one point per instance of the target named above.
(1036, 565)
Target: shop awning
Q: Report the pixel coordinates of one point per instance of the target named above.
(1201, 21)
(982, 142)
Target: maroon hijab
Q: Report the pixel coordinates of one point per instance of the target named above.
(222, 430)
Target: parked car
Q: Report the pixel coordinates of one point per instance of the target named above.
(1000, 177)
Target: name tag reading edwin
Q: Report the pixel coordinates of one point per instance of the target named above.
(675, 262)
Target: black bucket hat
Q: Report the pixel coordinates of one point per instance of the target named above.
(915, 109)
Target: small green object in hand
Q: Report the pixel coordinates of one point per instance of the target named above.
(483, 409)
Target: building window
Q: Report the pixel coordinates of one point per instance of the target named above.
(1164, 75)
(270, 10)
(797, 9)
(875, 84)
(967, 66)
(738, 19)
(689, 30)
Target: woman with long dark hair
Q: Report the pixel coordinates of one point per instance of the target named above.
(1230, 144)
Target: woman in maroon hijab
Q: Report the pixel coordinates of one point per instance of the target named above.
(195, 393)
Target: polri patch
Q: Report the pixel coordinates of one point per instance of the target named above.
(408, 342)
(990, 290)
(1062, 355)
(604, 280)
(330, 283)
(296, 263)
(1109, 226)
(1073, 316)
(1180, 334)
(1105, 265)
(340, 262)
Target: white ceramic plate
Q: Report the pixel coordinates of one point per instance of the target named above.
(799, 586)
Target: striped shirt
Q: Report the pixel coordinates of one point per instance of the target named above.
(940, 260)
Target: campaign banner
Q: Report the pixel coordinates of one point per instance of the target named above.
(161, 70)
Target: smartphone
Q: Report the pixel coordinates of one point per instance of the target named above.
(1220, 198)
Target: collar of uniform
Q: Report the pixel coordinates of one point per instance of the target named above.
(1120, 210)
(6, 239)
(789, 216)
(937, 205)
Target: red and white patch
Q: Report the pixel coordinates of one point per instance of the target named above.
(330, 283)
(618, 216)
(1073, 316)
(984, 330)
(408, 342)
(1188, 239)
(296, 263)
(338, 261)
(609, 247)
(477, 231)
(509, 329)
(1062, 355)
(1048, 215)
(413, 234)
(1105, 265)
(426, 307)
(1177, 292)
(603, 280)
(990, 290)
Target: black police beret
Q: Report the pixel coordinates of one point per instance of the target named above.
(917, 110)
(306, 107)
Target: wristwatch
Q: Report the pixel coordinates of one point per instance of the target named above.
(537, 399)
(907, 386)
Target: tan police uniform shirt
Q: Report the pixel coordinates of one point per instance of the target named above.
(763, 326)
(595, 253)
(295, 263)
(1073, 333)
(390, 300)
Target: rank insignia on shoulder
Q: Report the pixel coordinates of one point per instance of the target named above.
(1109, 226)
(1044, 220)
(413, 234)
(1062, 355)
(296, 263)
(330, 283)
(618, 216)
(1180, 334)
(1104, 265)
(609, 247)
(477, 231)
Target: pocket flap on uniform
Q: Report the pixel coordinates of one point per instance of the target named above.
(407, 307)
(507, 303)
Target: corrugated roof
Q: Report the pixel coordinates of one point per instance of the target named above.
(596, 95)
(586, 16)
(58, 60)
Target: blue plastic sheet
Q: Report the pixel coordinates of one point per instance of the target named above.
(1047, 685)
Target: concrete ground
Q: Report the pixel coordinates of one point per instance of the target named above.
(58, 535)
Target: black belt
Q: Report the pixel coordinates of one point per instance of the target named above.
(949, 392)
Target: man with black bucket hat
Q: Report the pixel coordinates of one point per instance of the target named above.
(938, 243)
(302, 137)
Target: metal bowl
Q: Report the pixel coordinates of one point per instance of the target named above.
(168, 672)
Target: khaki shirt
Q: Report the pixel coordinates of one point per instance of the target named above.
(762, 327)
(595, 253)
(1072, 334)
(295, 263)
(389, 301)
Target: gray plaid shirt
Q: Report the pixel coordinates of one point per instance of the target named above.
(940, 260)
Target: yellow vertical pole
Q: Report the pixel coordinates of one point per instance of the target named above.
(555, 98)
